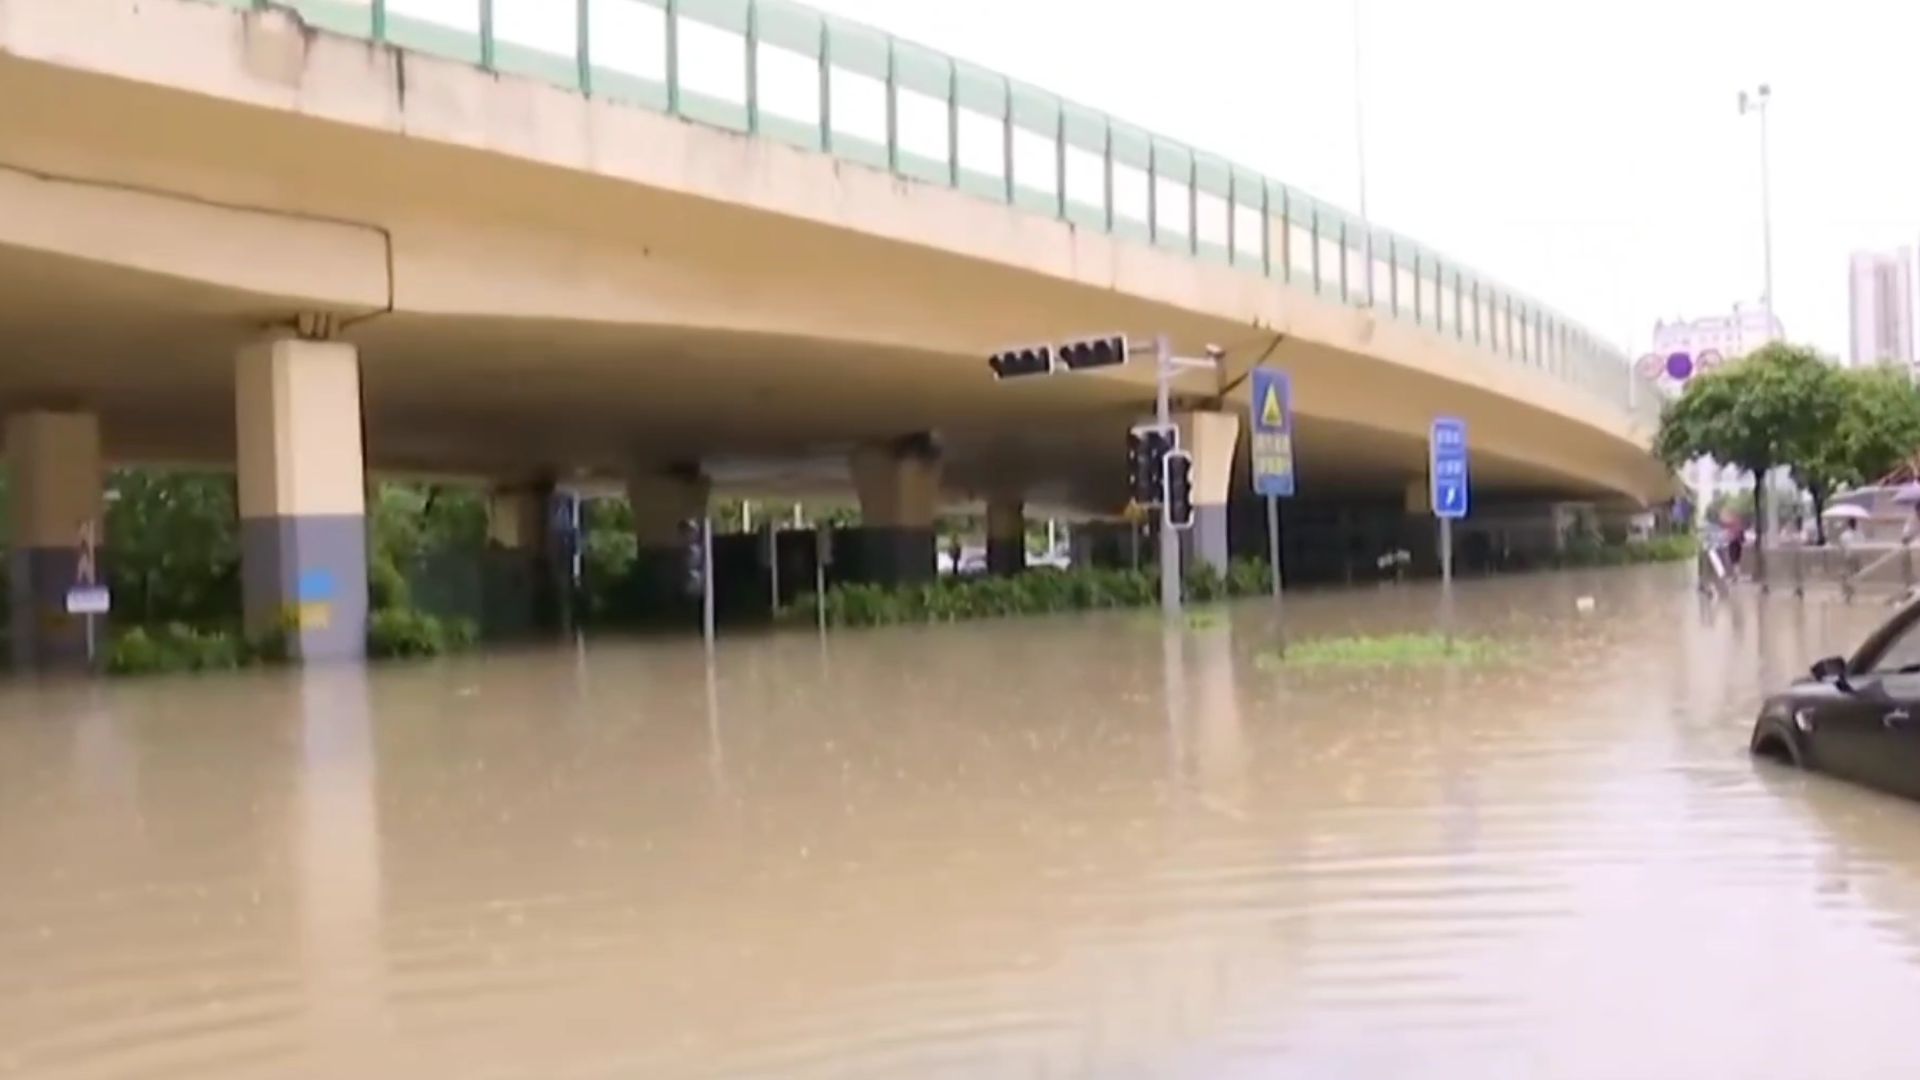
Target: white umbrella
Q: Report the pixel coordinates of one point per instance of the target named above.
(1908, 495)
(1848, 510)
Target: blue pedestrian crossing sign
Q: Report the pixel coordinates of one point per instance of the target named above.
(1272, 433)
(1447, 468)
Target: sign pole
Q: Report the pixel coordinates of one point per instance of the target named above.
(822, 541)
(773, 563)
(1446, 553)
(1273, 543)
(1169, 539)
(706, 579)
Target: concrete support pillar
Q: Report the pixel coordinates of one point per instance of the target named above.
(303, 532)
(53, 462)
(899, 487)
(666, 502)
(527, 577)
(517, 517)
(1212, 438)
(1006, 536)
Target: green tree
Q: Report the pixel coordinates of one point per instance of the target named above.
(1879, 427)
(1777, 406)
(410, 522)
(173, 546)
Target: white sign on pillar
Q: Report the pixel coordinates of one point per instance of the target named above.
(85, 596)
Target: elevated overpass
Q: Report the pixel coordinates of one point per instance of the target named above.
(640, 239)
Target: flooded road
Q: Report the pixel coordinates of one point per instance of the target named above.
(1055, 847)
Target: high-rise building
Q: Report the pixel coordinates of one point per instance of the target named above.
(1880, 294)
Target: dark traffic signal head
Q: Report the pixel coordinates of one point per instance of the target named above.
(1094, 352)
(1027, 360)
(1147, 449)
(1179, 486)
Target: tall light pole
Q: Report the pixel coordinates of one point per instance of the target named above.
(1757, 103)
(1360, 112)
(1360, 150)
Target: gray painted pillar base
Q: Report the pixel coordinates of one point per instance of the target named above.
(1206, 543)
(45, 637)
(307, 577)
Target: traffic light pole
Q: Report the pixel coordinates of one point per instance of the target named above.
(1169, 539)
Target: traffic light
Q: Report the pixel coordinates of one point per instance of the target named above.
(1147, 450)
(1026, 360)
(1094, 352)
(1179, 485)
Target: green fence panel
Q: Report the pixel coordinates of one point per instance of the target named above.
(1328, 238)
(1279, 240)
(620, 84)
(921, 71)
(1084, 132)
(1173, 225)
(457, 42)
(712, 107)
(1130, 164)
(981, 100)
(1212, 233)
(1251, 226)
(861, 51)
(790, 28)
(1350, 279)
(1036, 113)
(338, 16)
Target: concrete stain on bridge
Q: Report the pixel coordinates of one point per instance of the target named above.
(1068, 846)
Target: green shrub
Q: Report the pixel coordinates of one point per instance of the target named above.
(1037, 592)
(174, 647)
(403, 633)
(1249, 577)
(1391, 651)
(1585, 551)
(387, 588)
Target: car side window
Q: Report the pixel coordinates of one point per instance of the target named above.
(1900, 654)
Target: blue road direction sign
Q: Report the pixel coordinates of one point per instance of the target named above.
(1447, 468)
(1272, 433)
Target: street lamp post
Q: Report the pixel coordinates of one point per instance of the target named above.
(1360, 111)
(1757, 103)
(1360, 148)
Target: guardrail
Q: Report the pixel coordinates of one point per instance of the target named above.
(785, 71)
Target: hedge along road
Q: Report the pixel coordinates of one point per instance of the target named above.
(1068, 845)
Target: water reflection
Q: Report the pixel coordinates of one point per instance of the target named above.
(1081, 846)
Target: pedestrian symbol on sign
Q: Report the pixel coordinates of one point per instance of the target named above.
(1273, 415)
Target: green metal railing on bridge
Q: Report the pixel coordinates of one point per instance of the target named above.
(784, 71)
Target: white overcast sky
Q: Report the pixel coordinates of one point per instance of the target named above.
(1587, 151)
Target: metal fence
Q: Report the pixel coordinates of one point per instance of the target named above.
(784, 71)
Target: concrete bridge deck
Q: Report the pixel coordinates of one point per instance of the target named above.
(644, 236)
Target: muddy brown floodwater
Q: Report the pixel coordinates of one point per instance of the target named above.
(1050, 847)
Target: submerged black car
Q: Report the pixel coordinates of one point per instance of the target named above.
(1856, 719)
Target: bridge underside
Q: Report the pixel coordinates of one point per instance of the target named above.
(467, 395)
